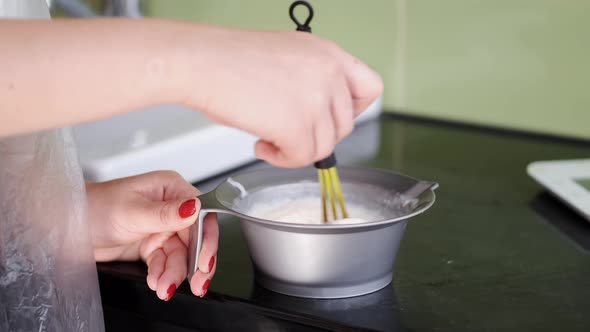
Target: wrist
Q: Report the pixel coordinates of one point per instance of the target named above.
(199, 58)
(169, 58)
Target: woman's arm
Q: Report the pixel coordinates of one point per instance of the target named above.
(297, 92)
(62, 72)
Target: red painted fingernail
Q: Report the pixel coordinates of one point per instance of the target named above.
(187, 208)
(211, 263)
(205, 286)
(171, 290)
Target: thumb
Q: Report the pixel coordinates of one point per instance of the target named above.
(166, 216)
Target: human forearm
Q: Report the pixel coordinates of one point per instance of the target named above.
(298, 93)
(61, 72)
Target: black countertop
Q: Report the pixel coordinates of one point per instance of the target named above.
(494, 253)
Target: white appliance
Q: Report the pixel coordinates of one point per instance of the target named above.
(167, 137)
(568, 180)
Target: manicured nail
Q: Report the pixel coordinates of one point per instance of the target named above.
(187, 208)
(171, 290)
(205, 286)
(211, 263)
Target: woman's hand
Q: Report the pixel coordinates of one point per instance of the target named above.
(147, 217)
(295, 91)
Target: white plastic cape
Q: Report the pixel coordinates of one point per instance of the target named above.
(48, 279)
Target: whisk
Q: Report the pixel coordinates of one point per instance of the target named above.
(330, 187)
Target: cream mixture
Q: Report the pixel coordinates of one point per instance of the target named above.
(308, 210)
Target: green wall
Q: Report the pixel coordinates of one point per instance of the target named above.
(521, 64)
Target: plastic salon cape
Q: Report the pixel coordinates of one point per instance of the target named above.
(48, 279)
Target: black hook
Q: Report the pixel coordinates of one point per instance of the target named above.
(305, 26)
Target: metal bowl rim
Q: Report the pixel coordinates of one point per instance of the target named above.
(280, 224)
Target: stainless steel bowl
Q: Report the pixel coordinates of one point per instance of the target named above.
(319, 261)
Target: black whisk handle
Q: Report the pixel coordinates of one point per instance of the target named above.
(326, 163)
(305, 25)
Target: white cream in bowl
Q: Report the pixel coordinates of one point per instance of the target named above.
(308, 210)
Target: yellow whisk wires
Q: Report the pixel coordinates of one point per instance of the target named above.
(331, 190)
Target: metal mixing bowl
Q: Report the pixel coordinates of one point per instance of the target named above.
(319, 260)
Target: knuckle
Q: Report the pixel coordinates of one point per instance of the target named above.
(328, 46)
(171, 174)
(331, 71)
(332, 46)
(314, 101)
(333, 66)
(164, 213)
